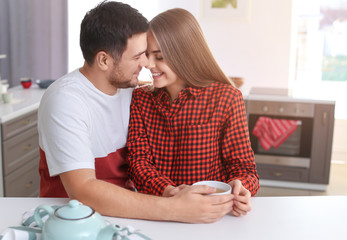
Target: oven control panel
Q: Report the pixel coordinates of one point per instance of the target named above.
(281, 108)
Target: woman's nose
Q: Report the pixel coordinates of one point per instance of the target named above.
(150, 63)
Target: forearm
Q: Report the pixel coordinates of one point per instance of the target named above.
(111, 200)
(243, 168)
(189, 205)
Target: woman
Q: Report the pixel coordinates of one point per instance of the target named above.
(192, 126)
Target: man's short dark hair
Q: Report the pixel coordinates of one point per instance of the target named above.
(107, 27)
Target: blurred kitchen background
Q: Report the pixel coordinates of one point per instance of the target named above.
(298, 45)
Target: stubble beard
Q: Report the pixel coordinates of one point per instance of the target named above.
(118, 80)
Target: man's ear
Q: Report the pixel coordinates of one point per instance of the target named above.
(103, 60)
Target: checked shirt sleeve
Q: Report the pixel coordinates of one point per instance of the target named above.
(236, 148)
(142, 170)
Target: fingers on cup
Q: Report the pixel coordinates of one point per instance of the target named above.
(221, 188)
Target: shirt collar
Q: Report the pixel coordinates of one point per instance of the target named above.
(194, 91)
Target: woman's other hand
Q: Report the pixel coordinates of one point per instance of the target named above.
(242, 199)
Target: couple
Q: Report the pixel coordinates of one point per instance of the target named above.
(192, 126)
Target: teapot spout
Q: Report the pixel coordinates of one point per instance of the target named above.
(108, 232)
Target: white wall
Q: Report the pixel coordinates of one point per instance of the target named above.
(258, 51)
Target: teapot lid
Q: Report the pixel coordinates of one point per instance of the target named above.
(74, 210)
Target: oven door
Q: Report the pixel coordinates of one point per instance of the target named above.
(295, 151)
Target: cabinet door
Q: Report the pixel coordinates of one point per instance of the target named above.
(20, 149)
(18, 125)
(25, 181)
(323, 127)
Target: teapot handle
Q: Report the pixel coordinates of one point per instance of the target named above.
(37, 216)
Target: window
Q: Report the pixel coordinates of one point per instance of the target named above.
(321, 51)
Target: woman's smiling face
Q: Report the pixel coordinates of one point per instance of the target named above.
(162, 74)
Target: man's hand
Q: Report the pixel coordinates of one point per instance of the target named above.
(192, 204)
(172, 191)
(242, 199)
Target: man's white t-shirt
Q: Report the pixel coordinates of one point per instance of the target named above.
(80, 126)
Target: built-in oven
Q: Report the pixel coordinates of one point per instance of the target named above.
(295, 151)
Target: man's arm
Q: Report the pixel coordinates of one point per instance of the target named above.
(189, 205)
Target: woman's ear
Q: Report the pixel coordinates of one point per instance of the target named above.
(103, 60)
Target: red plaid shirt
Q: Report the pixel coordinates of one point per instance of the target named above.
(202, 135)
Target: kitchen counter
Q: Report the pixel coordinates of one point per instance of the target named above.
(24, 101)
(283, 95)
(283, 98)
(271, 218)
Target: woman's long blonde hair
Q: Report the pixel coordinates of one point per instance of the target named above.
(184, 48)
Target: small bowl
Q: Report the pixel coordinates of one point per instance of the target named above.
(26, 82)
(44, 83)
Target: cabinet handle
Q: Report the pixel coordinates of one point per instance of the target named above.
(29, 184)
(26, 122)
(325, 116)
(278, 174)
(27, 147)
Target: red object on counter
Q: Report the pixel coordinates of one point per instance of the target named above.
(26, 84)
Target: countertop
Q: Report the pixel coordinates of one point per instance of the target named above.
(24, 101)
(271, 218)
(283, 95)
(281, 98)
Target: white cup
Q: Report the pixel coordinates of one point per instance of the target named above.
(221, 187)
(7, 97)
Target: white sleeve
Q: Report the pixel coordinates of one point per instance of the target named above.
(64, 127)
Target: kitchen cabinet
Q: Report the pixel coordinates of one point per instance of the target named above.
(20, 155)
(19, 176)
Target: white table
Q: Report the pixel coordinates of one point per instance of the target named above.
(271, 218)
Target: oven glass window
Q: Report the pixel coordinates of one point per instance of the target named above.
(290, 147)
(298, 144)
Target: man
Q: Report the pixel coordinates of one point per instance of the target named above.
(83, 123)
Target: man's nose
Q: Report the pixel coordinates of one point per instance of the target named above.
(150, 63)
